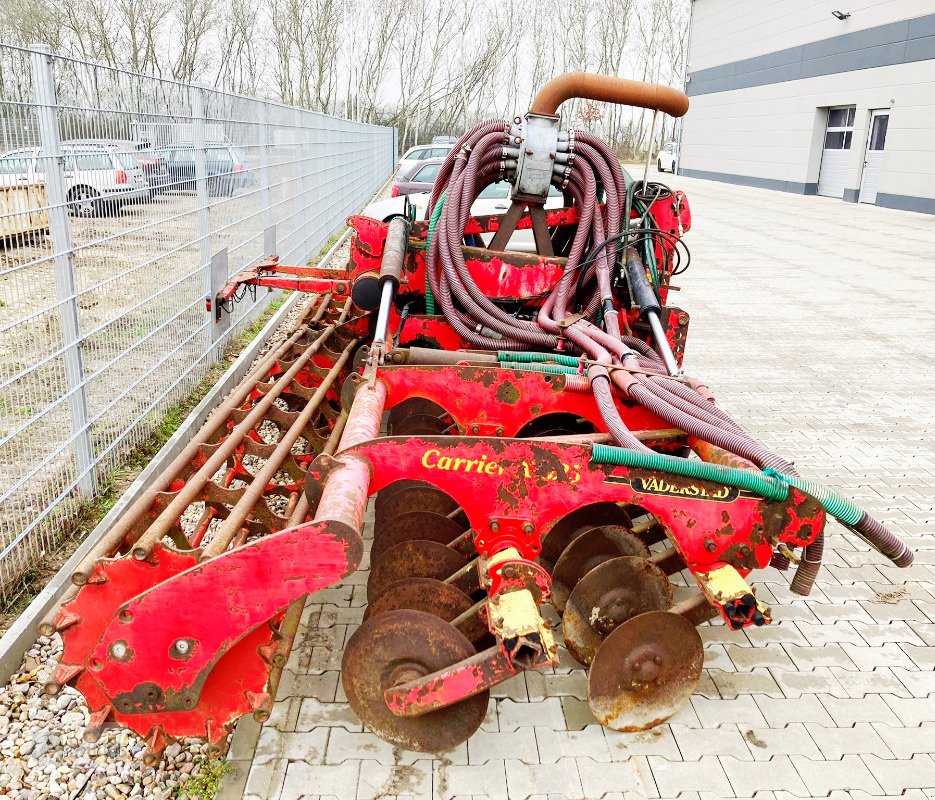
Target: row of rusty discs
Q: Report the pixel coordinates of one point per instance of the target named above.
(425, 613)
(417, 621)
(615, 598)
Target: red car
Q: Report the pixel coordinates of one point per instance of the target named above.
(418, 178)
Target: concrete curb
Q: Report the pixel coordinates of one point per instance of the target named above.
(22, 633)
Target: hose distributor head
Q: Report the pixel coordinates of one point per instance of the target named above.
(543, 150)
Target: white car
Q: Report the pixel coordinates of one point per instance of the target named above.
(98, 177)
(495, 199)
(668, 157)
(421, 152)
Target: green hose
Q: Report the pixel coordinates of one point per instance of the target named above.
(772, 488)
(770, 484)
(835, 504)
(549, 369)
(535, 358)
(436, 214)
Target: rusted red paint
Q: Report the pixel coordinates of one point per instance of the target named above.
(464, 393)
(449, 686)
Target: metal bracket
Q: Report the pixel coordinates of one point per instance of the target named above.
(536, 157)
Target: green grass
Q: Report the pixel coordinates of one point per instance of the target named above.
(207, 782)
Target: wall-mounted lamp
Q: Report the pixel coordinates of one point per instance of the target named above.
(841, 14)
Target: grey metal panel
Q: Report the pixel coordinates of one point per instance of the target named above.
(880, 56)
(923, 205)
(794, 187)
(848, 42)
(921, 27)
(884, 45)
(920, 49)
(789, 72)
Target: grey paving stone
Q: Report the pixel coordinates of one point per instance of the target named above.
(519, 744)
(658, 741)
(895, 776)
(726, 740)
(674, 777)
(606, 780)
(823, 777)
(835, 743)
(733, 684)
(747, 778)
(377, 780)
(525, 780)
(452, 780)
(555, 745)
(806, 708)
(742, 710)
(794, 739)
(906, 742)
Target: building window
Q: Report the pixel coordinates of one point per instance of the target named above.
(840, 129)
(878, 132)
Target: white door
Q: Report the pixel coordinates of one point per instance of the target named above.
(832, 177)
(873, 159)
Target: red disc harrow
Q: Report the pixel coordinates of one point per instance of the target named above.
(521, 419)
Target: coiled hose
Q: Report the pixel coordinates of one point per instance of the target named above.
(484, 155)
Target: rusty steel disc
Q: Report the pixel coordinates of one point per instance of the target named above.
(586, 552)
(397, 647)
(420, 497)
(645, 671)
(573, 525)
(425, 525)
(432, 596)
(418, 417)
(396, 486)
(608, 596)
(414, 559)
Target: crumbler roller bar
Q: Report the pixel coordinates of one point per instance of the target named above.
(524, 423)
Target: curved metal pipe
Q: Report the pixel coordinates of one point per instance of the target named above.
(608, 89)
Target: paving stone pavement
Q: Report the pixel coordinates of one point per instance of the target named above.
(812, 322)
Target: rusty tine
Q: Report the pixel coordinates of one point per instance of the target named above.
(193, 486)
(239, 513)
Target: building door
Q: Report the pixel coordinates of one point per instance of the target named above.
(873, 158)
(832, 177)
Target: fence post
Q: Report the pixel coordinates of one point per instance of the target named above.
(266, 198)
(199, 143)
(60, 230)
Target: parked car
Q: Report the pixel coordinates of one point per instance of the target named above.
(99, 175)
(495, 199)
(668, 157)
(419, 178)
(421, 152)
(226, 167)
(155, 168)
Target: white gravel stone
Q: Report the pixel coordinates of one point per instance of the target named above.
(42, 754)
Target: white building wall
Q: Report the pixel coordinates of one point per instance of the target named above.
(772, 134)
(727, 30)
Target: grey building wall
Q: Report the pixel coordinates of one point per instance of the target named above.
(763, 73)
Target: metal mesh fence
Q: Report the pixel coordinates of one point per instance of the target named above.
(125, 201)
